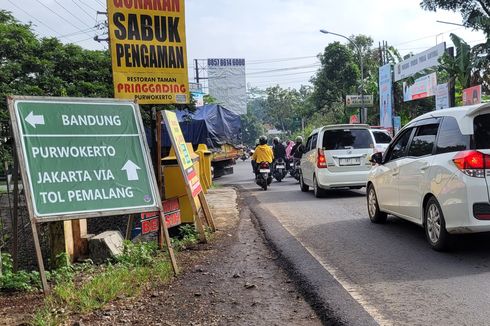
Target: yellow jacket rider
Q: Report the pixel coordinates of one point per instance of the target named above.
(263, 152)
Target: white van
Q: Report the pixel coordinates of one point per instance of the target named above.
(337, 156)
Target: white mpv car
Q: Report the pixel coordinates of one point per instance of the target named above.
(436, 173)
(336, 156)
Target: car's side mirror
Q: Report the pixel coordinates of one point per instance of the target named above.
(376, 158)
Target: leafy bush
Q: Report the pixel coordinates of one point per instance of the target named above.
(18, 281)
(138, 254)
(188, 237)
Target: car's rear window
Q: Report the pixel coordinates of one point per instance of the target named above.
(347, 139)
(381, 137)
(481, 125)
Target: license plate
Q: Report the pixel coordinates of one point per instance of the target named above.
(265, 170)
(350, 161)
(279, 166)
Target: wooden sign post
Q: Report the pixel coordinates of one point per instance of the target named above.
(190, 175)
(83, 158)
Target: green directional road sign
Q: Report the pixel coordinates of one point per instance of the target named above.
(83, 158)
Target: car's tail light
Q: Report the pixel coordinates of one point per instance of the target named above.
(472, 163)
(321, 159)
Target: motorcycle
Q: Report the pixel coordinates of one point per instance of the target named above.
(279, 169)
(244, 156)
(263, 177)
(295, 169)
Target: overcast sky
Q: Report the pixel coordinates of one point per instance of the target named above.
(269, 34)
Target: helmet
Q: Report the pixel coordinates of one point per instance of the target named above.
(299, 139)
(276, 140)
(262, 140)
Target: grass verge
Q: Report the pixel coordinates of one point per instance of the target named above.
(140, 267)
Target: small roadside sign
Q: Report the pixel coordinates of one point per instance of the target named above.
(171, 209)
(191, 177)
(83, 158)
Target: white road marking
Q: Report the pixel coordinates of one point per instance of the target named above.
(351, 288)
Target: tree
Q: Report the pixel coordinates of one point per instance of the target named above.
(280, 107)
(47, 67)
(469, 65)
(252, 129)
(337, 77)
(18, 47)
(475, 13)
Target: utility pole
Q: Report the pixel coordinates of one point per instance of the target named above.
(196, 65)
(452, 82)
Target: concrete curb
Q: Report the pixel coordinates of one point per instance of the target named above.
(331, 302)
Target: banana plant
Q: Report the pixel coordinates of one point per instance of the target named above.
(468, 65)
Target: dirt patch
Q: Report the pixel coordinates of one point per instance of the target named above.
(18, 308)
(234, 280)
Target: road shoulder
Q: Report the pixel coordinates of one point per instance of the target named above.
(332, 303)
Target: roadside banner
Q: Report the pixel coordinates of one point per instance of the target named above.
(227, 83)
(472, 95)
(397, 124)
(442, 96)
(356, 101)
(427, 59)
(148, 50)
(423, 87)
(385, 96)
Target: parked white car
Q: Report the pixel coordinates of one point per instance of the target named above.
(336, 156)
(381, 139)
(436, 173)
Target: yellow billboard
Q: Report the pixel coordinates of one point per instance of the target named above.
(148, 50)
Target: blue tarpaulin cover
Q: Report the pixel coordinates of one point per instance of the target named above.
(211, 124)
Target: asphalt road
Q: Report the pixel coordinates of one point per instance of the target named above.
(388, 269)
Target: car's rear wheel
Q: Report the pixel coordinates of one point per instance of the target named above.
(375, 215)
(435, 226)
(319, 192)
(304, 187)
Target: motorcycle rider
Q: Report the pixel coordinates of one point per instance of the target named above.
(263, 153)
(278, 149)
(298, 149)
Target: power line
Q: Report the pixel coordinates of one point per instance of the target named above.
(59, 4)
(80, 32)
(100, 3)
(28, 14)
(426, 37)
(295, 73)
(253, 62)
(284, 69)
(281, 82)
(80, 41)
(81, 8)
(54, 12)
(89, 6)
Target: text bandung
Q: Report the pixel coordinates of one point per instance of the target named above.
(90, 120)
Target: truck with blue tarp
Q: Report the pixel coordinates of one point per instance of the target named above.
(215, 126)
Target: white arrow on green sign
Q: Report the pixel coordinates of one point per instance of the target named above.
(83, 158)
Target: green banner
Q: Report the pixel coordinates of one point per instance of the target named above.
(84, 157)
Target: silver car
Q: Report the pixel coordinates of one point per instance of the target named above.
(336, 156)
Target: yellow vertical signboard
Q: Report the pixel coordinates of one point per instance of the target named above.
(148, 50)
